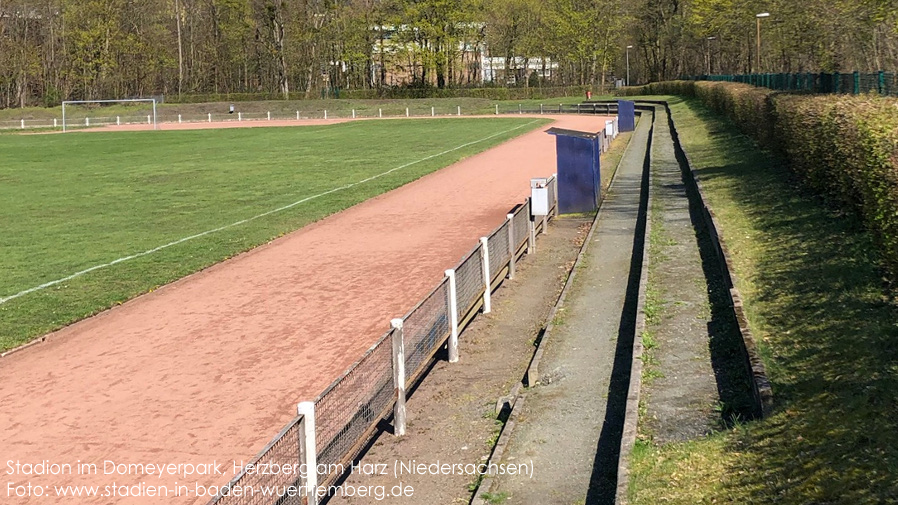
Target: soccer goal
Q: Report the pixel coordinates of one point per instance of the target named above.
(84, 113)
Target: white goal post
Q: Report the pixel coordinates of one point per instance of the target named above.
(80, 102)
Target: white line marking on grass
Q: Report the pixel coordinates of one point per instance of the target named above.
(247, 220)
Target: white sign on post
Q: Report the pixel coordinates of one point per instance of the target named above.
(539, 197)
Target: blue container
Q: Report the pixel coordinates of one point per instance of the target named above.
(579, 175)
(626, 116)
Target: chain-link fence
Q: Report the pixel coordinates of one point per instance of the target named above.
(347, 412)
(521, 223)
(884, 83)
(425, 329)
(498, 249)
(469, 281)
(283, 452)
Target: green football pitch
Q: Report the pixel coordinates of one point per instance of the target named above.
(89, 220)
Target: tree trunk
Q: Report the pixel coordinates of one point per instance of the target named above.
(180, 49)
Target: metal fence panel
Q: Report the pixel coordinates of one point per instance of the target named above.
(282, 451)
(469, 281)
(498, 249)
(352, 405)
(553, 188)
(521, 222)
(425, 328)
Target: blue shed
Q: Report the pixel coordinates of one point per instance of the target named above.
(579, 175)
(626, 116)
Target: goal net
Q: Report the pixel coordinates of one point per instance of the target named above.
(87, 113)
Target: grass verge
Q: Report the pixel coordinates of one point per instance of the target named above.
(815, 299)
(71, 202)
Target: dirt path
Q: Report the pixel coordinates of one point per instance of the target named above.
(564, 420)
(210, 367)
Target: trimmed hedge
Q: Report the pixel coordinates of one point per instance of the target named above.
(843, 147)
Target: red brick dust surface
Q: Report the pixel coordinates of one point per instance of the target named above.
(209, 368)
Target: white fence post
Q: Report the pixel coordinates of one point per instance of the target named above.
(54, 122)
(511, 246)
(497, 109)
(149, 119)
(325, 113)
(540, 108)
(406, 112)
(433, 111)
(453, 317)
(297, 115)
(353, 113)
(179, 119)
(485, 261)
(87, 121)
(239, 116)
(269, 115)
(520, 109)
(308, 449)
(210, 117)
(459, 110)
(380, 113)
(118, 121)
(23, 124)
(398, 377)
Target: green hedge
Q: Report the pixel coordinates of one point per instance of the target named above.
(847, 147)
(843, 147)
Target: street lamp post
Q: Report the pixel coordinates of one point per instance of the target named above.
(758, 17)
(628, 64)
(709, 39)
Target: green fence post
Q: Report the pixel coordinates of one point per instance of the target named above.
(837, 82)
(881, 82)
(857, 82)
